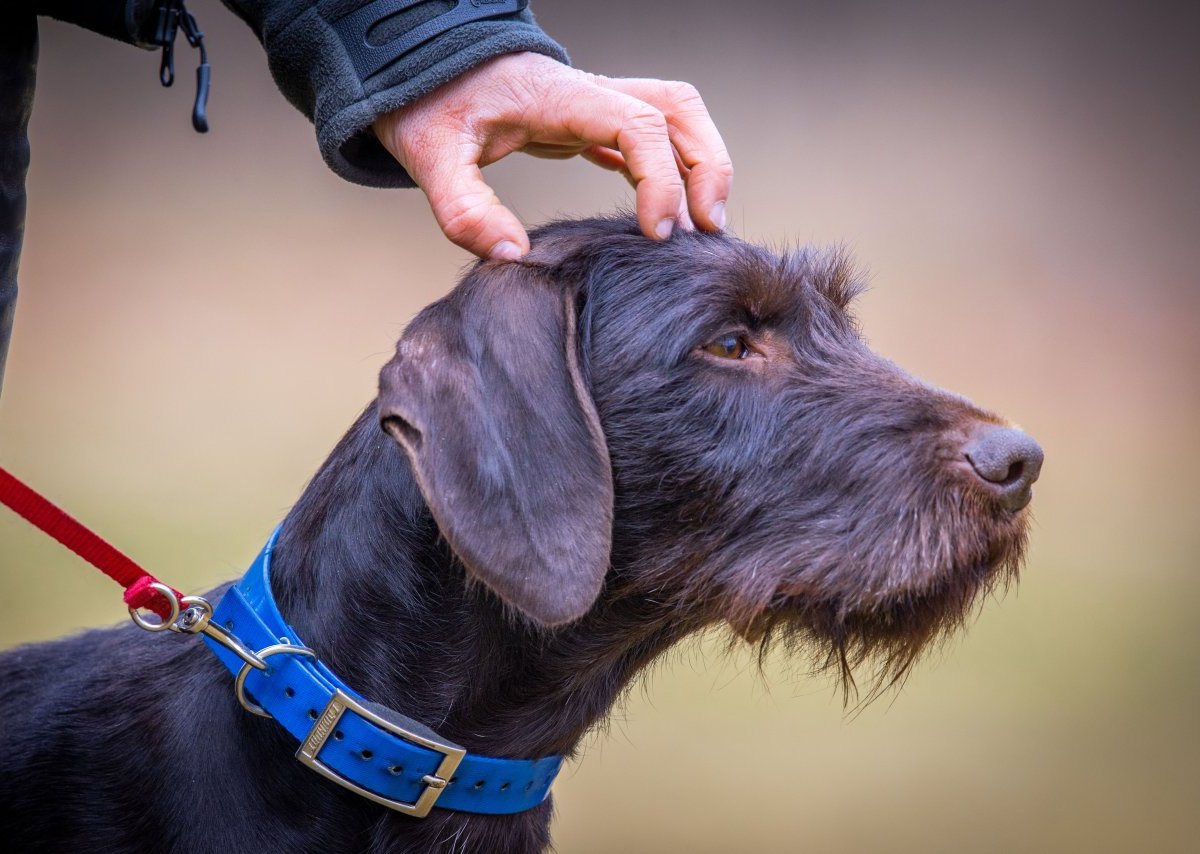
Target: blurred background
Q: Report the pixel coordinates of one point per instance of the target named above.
(202, 317)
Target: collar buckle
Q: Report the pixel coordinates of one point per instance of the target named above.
(327, 721)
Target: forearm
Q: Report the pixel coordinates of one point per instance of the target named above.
(345, 63)
(322, 61)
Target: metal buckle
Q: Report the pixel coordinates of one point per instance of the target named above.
(435, 783)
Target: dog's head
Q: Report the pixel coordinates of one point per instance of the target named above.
(698, 424)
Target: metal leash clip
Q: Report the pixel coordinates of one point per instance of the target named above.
(192, 615)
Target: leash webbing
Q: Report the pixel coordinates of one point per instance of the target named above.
(55, 522)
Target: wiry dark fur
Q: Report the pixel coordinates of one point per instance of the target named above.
(816, 496)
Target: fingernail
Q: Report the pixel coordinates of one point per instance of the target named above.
(664, 228)
(717, 215)
(505, 250)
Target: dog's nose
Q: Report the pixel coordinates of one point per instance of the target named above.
(1008, 460)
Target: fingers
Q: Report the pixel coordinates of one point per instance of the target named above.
(634, 128)
(465, 207)
(697, 141)
(606, 158)
(657, 134)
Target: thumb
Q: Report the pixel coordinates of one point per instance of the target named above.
(468, 210)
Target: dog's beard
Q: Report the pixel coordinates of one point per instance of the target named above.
(869, 602)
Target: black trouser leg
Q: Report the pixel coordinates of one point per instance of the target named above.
(18, 63)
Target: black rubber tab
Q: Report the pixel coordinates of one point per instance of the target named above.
(173, 16)
(368, 59)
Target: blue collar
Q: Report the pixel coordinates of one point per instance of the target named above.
(367, 748)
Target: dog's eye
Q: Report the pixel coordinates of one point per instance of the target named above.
(729, 347)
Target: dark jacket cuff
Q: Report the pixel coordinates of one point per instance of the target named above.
(312, 68)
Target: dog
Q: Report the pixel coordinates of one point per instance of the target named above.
(586, 455)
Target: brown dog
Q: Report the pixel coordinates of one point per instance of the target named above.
(599, 450)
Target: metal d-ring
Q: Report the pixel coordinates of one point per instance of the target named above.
(142, 623)
(239, 684)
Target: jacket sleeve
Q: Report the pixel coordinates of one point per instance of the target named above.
(344, 63)
(129, 21)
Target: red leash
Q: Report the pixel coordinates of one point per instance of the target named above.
(42, 514)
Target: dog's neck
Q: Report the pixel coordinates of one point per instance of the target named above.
(363, 575)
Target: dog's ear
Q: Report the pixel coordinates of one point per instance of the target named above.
(486, 396)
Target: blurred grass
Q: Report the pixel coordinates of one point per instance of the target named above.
(202, 317)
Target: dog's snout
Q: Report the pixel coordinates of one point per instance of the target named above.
(1006, 459)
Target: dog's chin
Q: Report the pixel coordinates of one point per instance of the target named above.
(881, 630)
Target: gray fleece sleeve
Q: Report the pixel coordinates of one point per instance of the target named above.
(333, 60)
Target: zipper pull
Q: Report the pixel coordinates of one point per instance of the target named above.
(172, 17)
(164, 34)
(195, 37)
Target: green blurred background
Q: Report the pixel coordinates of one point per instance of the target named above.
(202, 317)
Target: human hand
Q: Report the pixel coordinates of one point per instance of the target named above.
(657, 133)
